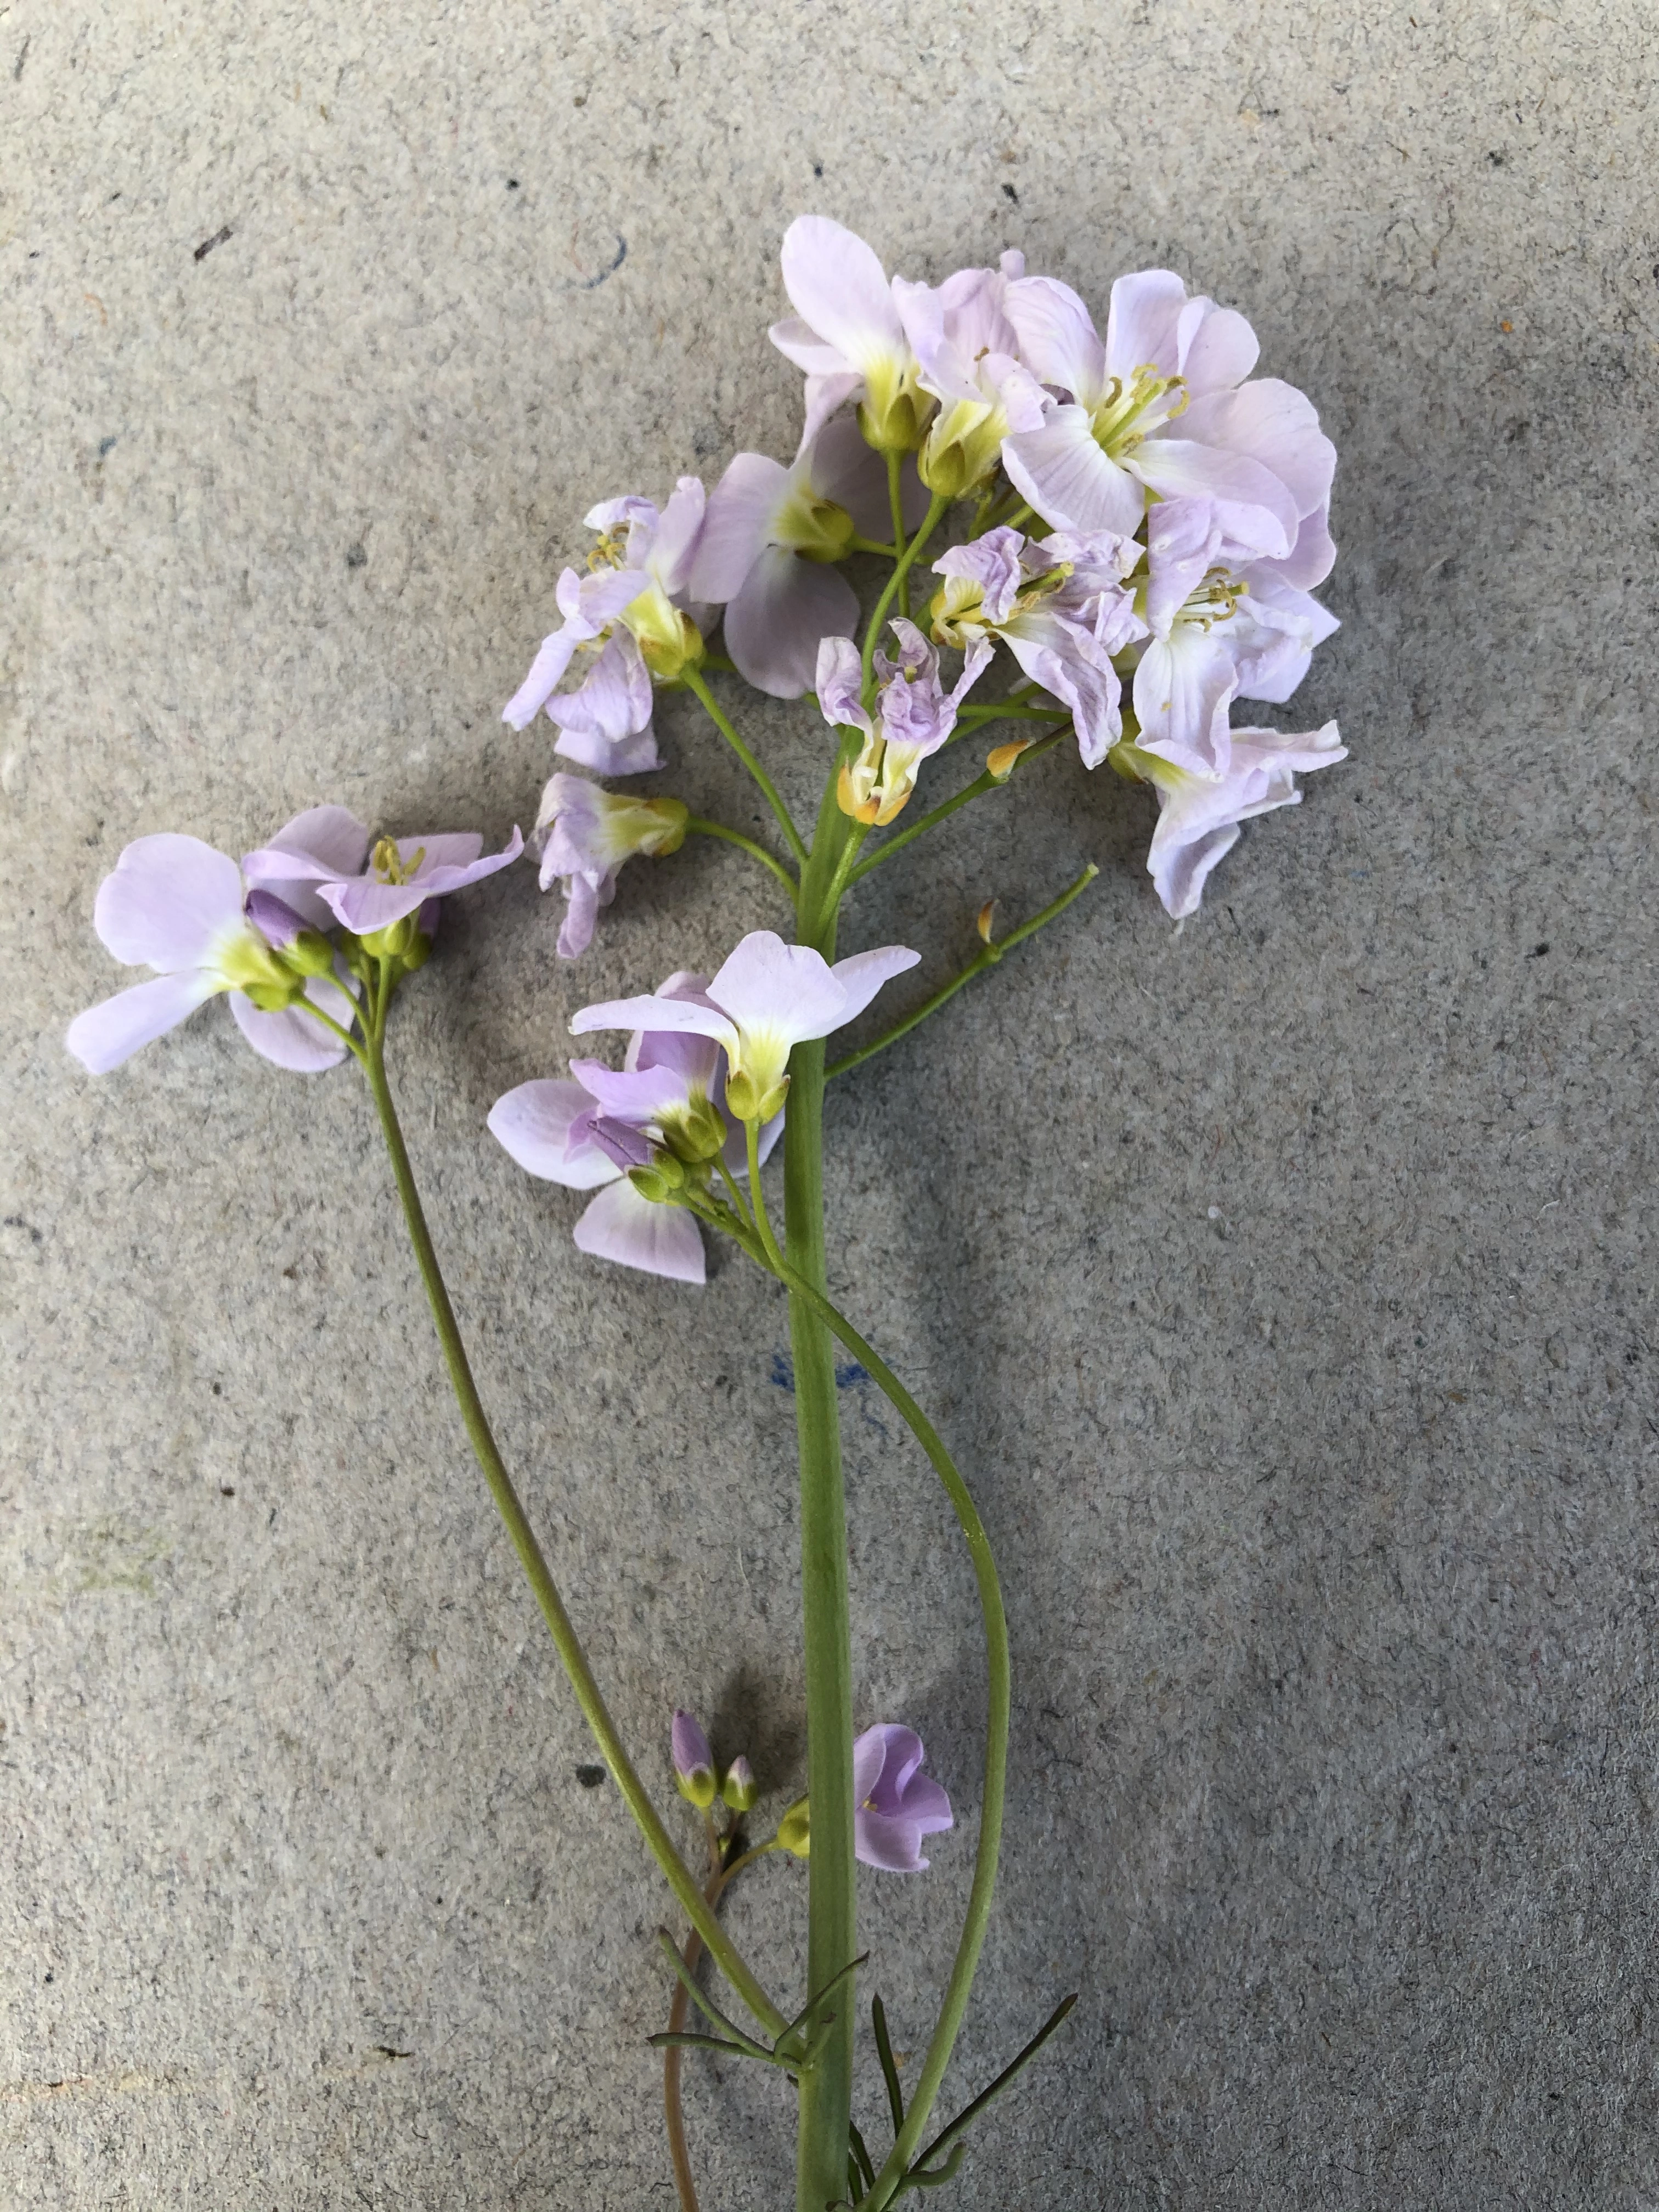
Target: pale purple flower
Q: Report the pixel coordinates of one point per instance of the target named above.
(634, 605)
(1223, 626)
(966, 349)
(1163, 405)
(1063, 610)
(587, 1132)
(1199, 816)
(590, 833)
(894, 1804)
(694, 1763)
(769, 538)
(767, 998)
(846, 334)
(405, 875)
(914, 716)
(174, 904)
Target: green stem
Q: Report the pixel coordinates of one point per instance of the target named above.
(976, 966)
(895, 502)
(826, 2087)
(757, 1197)
(768, 789)
(996, 1746)
(565, 1639)
(901, 568)
(695, 823)
(873, 545)
(981, 783)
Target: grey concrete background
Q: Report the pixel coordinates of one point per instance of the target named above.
(1286, 1283)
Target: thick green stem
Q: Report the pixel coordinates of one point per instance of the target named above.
(566, 1642)
(996, 1745)
(826, 2087)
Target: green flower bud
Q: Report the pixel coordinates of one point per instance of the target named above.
(393, 941)
(814, 526)
(739, 1787)
(660, 1180)
(696, 1134)
(417, 952)
(310, 954)
(794, 1830)
(272, 998)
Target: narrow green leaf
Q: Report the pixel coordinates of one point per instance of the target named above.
(969, 2113)
(710, 2011)
(888, 2070)
(861, 2156)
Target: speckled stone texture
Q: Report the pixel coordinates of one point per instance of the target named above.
(1286, 1283)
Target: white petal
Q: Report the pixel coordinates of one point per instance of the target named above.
(1070, 482)
(638, 1232)
(106, 1035)
(1275, 424)
(1057, 337)
(1251, 503)
(742, 510)
(553, 657)
(168, 901)
(778, 990)
(675, 546)
(863, 975)
(838, 286)
(1221, 351)
(1141, 327)
(653, 1012)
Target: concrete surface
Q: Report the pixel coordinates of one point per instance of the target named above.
(1287, 1283)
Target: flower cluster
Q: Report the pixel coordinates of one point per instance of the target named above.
(1149, 520)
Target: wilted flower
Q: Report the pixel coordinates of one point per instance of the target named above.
(1199, 816)
(768, 539)
(174, 904)
(632, 605)
(1063, 610)
(591, 832)
(767, 998)
(914, 716)
(895, 1804)
(1161, 406)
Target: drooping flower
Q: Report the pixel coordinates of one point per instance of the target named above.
(1224, 626)
(1161, 406)
(1063, 610)
(1199, 816)
(406, 875)
(174, 904)
(915, 715)
(966, 349)
(588, 1132)
(694, 1763)
(590, 832)
(846, 334)
(769, 539)
(766, 998)
(634, 605)
(895, 1804)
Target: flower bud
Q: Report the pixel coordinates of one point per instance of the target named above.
(310, 954)
(272, 998)
(740, 1097)
(696, 1134)
(418, 952)
(1000, 761)
(794, 1830)
(982, 920)
(653, 1183)
(964, 448)
(393, 942)
(739, 1789)
(895, 410)
(693, 1764)
(813, 527)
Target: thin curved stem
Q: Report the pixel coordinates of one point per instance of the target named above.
(303, 1004)
(976, 966)
(565, 1640)
(895, 502)
(983, 782)
(894, 583)
(701, 828)
(757, 1196)
(768, 789)
(874, 545)
(999, 1670)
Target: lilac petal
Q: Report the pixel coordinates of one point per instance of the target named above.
(784, 990)
(1141, 325)
(535, 1125)
(674, 550)
(775, 623)
(737, 525)
(840, 681)
(887, 1842)
(638, 1094)
(1180, 863)
(1310, 560)
(107, 1034)
(1220, 352)
(689, 1749)
(653, 1012)
(606, 723)
(824, 394)
(863, 975)
(925, 1806)
(547, 670)
(1182, 536)
(622, 1145)
(1057, 337)
(586, 890)
(839, 289)
(1252, 504)
(1093, 694)
(638, 1232)
(331, 836)
(870, 1756)
(1069, 481)
(1275, 424)
(440, 850)
(168, 901)
(1182, 689)
(277, 921)
(291, 1039)
(795, 338)
(852, 473)
(366, 905)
